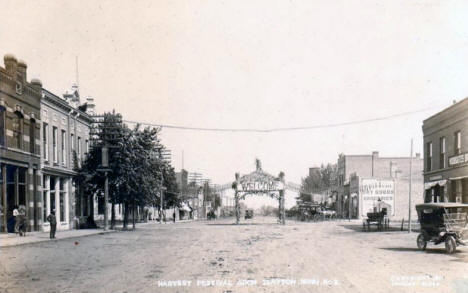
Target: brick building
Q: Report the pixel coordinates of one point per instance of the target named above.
(387, 175)
(446, 154)
(20, 151)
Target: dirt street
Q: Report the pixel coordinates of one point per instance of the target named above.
(217, 256)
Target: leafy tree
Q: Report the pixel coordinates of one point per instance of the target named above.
(136, 167)
(317, 182)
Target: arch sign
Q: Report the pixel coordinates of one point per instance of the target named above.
(262, 183)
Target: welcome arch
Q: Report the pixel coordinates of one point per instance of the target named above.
(260, 183)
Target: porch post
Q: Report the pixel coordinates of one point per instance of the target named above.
(236, 199)
(281, 192)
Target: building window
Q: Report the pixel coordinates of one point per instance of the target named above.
(18, 130)
(32, 137)
(79, 148)
(52, 194)
(457, 147)
(22, 186)
(87, 146)
(45, 141)
(429, 156)
(45, 195)
(442, 153)
(62, 200)
(63, 138)
(54, 143)
(72, 138)
(2, 126)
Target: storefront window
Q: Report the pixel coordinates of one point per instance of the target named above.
(62, 200)
(52, 193)
(45, 194)
(10, 188)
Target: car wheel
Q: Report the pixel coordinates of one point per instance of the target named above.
(450, 245)
(421, 241)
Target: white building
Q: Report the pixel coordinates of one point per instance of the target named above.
(65, 130)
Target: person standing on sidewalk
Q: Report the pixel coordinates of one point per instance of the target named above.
(15, 217)
(53, 224)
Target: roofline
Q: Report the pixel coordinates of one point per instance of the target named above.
(446, 109)
(443, 204)
(64, 103)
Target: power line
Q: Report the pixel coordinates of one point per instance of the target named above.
(268, 130)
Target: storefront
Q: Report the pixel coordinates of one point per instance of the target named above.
(56, 198)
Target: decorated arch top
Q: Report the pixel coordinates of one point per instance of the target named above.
(258, 181)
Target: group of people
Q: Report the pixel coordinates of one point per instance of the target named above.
(19, 217)
(21, 224)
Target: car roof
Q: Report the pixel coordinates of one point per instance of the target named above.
(441, 205)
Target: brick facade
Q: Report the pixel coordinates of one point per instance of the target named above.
(353, 168)
(446, 154)
(20, 122)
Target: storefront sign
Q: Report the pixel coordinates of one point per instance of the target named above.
(378, 193)
(434, 178)
(458, 159)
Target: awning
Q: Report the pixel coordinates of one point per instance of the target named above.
(458, 178)
(429, 185)
(185, 207)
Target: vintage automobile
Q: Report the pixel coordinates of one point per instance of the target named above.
(442, 222)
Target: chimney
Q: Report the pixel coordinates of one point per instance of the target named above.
(375, 154)
(22, 66)
(418, 155)
(10, 63)
(37, 84)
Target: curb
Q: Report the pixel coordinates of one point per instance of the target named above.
(58, 239)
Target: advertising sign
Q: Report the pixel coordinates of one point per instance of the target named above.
(378, 193)
(458, 159)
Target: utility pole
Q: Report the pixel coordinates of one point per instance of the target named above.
(410, 182)
(108, 137)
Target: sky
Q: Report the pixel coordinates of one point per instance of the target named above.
(253, 64)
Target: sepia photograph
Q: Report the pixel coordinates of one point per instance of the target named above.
(234, 146)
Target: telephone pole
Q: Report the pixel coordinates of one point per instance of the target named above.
(410, 183)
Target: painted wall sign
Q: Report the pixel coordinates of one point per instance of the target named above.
(458, 159)
(371, 190)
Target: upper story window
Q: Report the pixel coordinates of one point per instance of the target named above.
(429, 156)
(18, 129)
(54, 143)
(78, 150)
(442, 153)
(45, 141)
(32, 136)
(2, 126)
(62, 149)
(457, 144)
